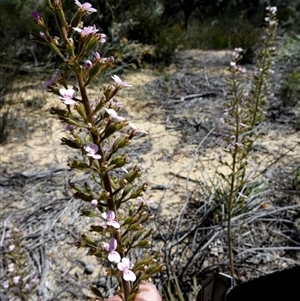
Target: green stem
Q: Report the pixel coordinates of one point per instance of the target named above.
(232, 195)
(63, 26)
(229, 216)
(88, 111)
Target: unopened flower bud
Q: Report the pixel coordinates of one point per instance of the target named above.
(42, 35)
(144, 243)
(123, 182)
(87, 213)
(154, 269)
(38, 19)
(128, 221)
(146, 219)
(134, 227)
(111, 130)
(96, 55)
(88, 240)
(120, 142)
(126, 190)
(120, 161)
(80, 244)
(137, 235)
(80, 109)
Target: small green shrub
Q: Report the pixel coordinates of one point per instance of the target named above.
(7, 119)
(291, 89)
(223, 34)
(246, 36)
(4, 118)
(296, 178)
(207, 34)
(288, 48)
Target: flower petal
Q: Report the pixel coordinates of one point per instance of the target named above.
(129, 276)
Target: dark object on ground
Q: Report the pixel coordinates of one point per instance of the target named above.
(215, 288)
(278, 286)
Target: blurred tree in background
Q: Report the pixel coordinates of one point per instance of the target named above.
(145, 31)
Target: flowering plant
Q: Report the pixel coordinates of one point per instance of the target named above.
(19, 280)
(243, 115)
(97, 131)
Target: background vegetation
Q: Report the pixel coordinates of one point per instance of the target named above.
(148, 31)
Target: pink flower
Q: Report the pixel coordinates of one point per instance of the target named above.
(243, 125)
(35, 15)
(86, 7)
(238, 144)
(113, 114)
(33, 278)
(272, 9)
(11, 267)
(117, 79)
(102, 38)
(27, 286)
(86, 31)
(113, 255)
(124, 266)
(91, 150)
(146, 201)
(69, 127)
(43, 36)
(16, 279)
(271, 71)
(110, 216)
(136, 130)
(113, 103)
(67, 95)
(52, 80)
(235, 55)
(11, 248)
(5, 284)
(242, 69)
(96, 55)
(88, 64)
(94, 203)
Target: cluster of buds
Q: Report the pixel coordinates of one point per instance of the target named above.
(19, 284)
(95, 128)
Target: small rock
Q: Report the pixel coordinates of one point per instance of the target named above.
(89, 268)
